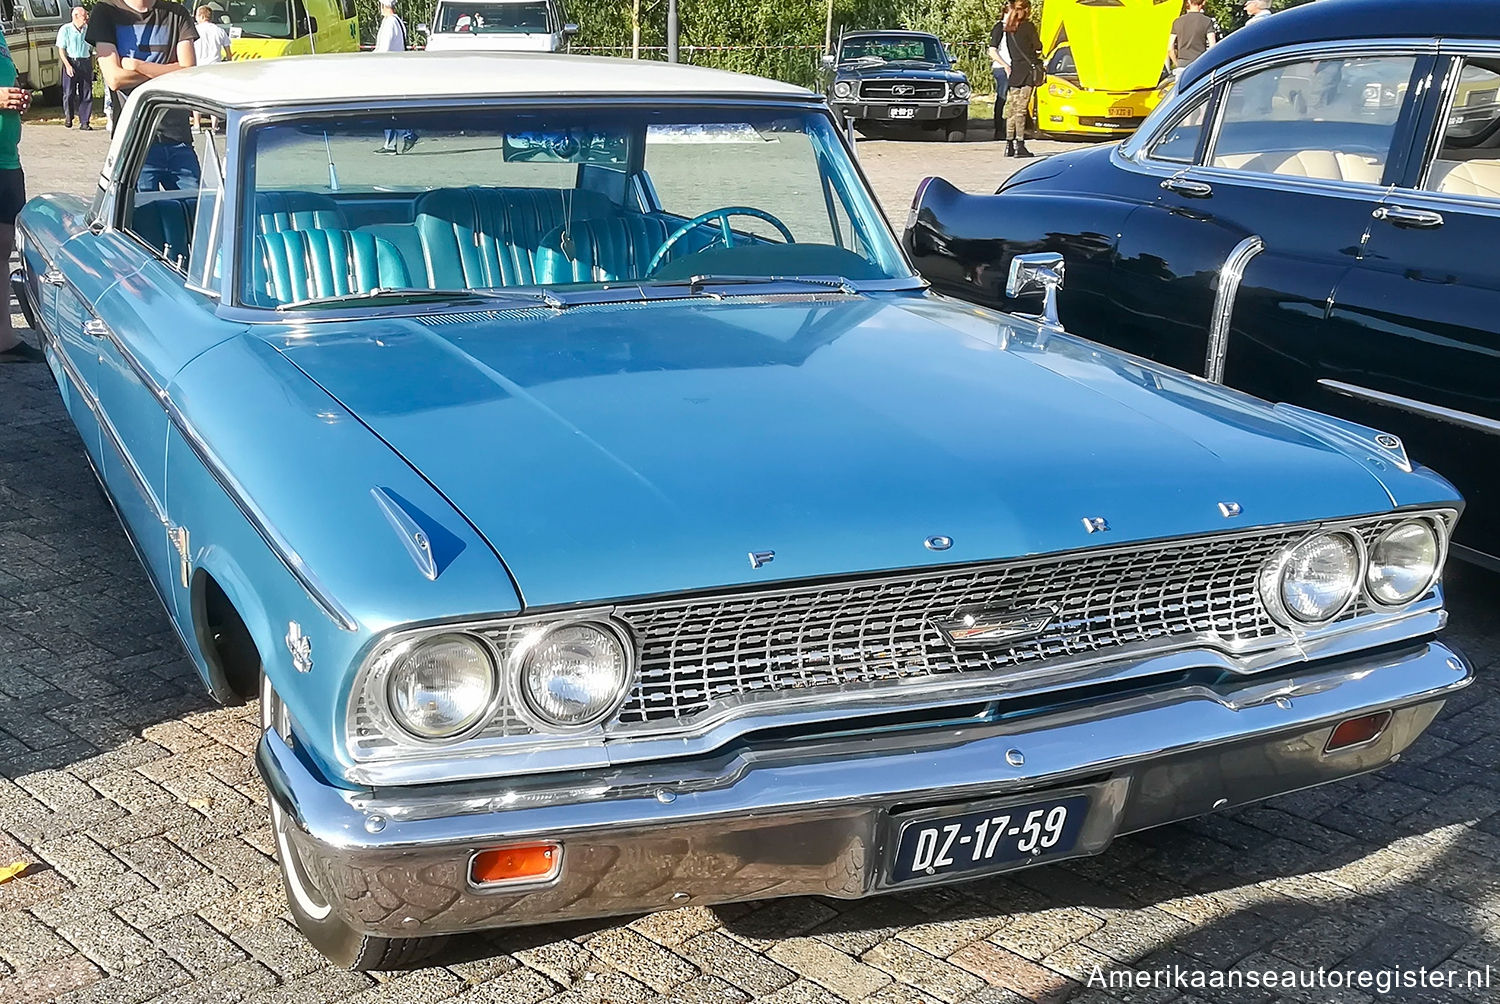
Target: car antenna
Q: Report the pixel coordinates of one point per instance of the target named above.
(333, 172)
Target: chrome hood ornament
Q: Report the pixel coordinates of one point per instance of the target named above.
(979, 628)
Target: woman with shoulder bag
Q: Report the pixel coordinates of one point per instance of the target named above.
(1024, 45)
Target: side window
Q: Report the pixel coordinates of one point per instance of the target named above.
(1178, 143)
(45, 8)
(1468, 160)
(346, 10)
(160, 190)
(1333, 119)
(208, 227)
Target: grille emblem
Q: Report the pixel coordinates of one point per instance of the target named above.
(988, 627)
(1229, 509)
(938, 543)
(758, 558)
(903, 89)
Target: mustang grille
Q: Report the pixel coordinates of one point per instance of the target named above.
(897, 90)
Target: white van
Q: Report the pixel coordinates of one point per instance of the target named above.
(499, 26)
(30, 28)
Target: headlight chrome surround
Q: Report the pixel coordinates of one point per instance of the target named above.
(842, 89)
(1274, 576)
(1437, 532)
(526, 701)
(402, 661)
(960, 90)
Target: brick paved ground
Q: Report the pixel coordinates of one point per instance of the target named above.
(135, 801)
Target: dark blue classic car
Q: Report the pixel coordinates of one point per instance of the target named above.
(608, 519)
(898, 78)
(1313, 218)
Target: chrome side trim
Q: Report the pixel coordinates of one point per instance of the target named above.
(1230, 276)
(1452, 416)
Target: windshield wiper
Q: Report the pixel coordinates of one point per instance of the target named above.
(696, 283)
(545, 298)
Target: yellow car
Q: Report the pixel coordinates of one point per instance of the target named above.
(1106, 64)
(261, 29)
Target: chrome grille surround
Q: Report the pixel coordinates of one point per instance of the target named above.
(886, 90)
(835, 647)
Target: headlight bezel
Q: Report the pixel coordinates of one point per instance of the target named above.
(962, 90)
(392, 659)
(515, 675)
(1271, 581)
(847, 90)
(1439, 530)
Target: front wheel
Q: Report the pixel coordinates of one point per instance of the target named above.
(958, 130)
(310, 907)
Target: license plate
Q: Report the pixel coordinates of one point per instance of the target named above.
(989, 838)
(1122, 112)
(901, 112)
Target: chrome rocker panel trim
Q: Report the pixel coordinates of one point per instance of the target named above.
(814, 818)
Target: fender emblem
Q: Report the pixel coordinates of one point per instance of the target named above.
(300, 645)
(758, 558)
(989, 627)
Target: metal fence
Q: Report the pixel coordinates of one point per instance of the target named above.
(794, 64)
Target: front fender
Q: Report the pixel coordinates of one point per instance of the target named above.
(275, 485)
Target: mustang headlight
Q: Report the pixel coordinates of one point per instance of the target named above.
(842, 89)
(1314, 580)
(574, 675)
(441, 686)
(960, 90)
(1403, 563)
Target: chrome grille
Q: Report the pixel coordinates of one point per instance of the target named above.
(697, 653)
(897, 90)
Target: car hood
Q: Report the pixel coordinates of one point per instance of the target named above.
(888, 71)
(629, 450)
(1107, 62)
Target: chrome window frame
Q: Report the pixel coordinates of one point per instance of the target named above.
(1460, 54)
(243, 119)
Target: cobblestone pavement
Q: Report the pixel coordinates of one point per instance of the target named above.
(134, 800)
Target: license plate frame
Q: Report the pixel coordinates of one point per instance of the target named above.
(901, 112)
(1095, 829)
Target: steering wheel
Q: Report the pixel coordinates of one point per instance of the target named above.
(722, 215)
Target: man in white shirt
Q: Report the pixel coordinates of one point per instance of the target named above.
(1257, 9)
(213, 41)
(392, 38)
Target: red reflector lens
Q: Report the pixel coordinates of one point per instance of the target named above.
(1357, 731)
(516, 863)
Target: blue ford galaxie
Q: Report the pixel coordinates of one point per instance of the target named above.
(609, 520)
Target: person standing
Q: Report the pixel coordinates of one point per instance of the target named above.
(77, 62)
(1257, 9)
(213, 45)
(392, 38)
(137, 41)
(13, 101)
(1024, 46)
(1000, 68)
(1192, 34)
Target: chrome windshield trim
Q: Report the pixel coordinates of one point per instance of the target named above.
(1452, 416)
(1230, 275)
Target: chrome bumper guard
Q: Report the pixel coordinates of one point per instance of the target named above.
(818, 817)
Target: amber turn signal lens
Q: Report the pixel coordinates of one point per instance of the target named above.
(1357, 731)
(516, 863)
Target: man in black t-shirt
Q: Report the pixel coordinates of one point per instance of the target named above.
(136, 41)
(1192, 34)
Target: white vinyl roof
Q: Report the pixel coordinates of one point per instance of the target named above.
(363, 76)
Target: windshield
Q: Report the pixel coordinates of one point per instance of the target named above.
(264, 18)
(892, 49)
(493, 18)
(555, 199)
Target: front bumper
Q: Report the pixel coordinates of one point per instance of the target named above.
(881, 111)
(816, 818)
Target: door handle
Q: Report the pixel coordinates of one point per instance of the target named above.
(1403, 217)
(54, 277)
(1186, 186)
(95, 328)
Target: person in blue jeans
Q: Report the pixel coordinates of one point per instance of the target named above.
(1000, 68)
(171, 165)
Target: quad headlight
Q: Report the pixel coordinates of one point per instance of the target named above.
(960, 90)
(1403, 563)
(441, 686)
(1315, 580)
(842, 89)
(574, 675)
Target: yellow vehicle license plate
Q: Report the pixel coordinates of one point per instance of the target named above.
(1122, 112)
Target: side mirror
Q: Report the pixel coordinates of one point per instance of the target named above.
(828, 61)
(1033, 273)
(569, 30)
(312, 25)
